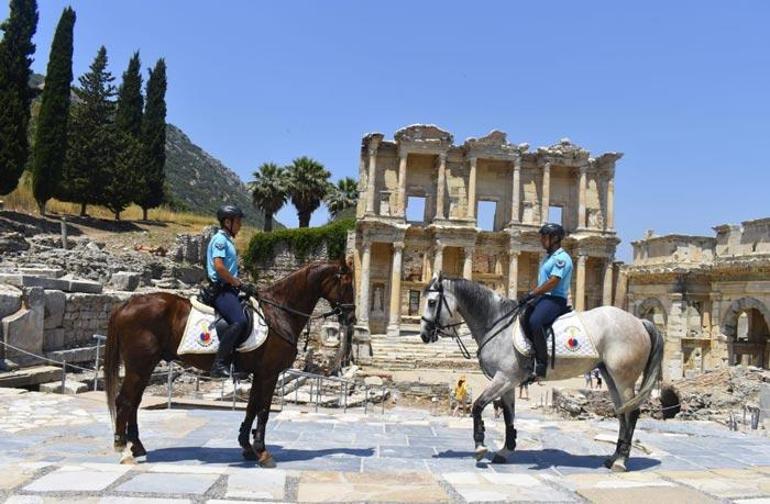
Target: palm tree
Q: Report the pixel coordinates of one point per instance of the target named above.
(269, 191)
(342, 196)
(308, 185)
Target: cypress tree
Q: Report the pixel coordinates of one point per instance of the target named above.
(128, 117)
(91, 143)
(51, 133)
(152, 177)
(16, 49)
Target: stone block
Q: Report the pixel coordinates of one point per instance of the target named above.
(188, 274)
(70, 387)
(54, 339)
(10, 300)
(87, 286)
(13, 242)
(55, 303)
(43, 272)
(24, 329)
(125, 280)
(764, 402)
(21, 280)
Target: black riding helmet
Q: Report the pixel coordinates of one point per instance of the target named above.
(551, 229)
(228, 212)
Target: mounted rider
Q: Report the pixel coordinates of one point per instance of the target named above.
(550, 295)
(222, 269)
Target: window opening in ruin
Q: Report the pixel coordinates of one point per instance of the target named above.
(556, 215)
(485, 217)
(414, 302)
(415, 209)
(742, 331)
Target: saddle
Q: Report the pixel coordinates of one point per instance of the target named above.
(204, 323)
(205, 302)
(566, 338)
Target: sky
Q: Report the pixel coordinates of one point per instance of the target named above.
(681, 88)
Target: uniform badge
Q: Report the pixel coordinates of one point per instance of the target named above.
(561, 263)
(219, 246)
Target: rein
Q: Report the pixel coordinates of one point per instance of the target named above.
(443, 329)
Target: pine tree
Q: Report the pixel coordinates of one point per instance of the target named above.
(16, 49)
(128, 117)
(91, 146)
(151, 179)
(51, 133)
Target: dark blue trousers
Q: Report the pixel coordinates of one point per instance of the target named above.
(228, 306)
(545, 312)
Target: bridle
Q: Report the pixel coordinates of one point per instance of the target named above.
(436, 328)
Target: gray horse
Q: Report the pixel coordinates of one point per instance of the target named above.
(627, 347)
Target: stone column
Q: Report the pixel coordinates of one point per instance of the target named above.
(363, 301)
(582, 198)
(580, 284)
(468, 264)
(546, 199)
(472, 190)
(513, 274)
(370, 179)
(402, 183)
(673, 365)
(610, 220)
(440, 189)
(516, 199)
(438, 257)
(607, 291)
(394, 319)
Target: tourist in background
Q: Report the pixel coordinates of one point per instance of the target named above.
(460, 396)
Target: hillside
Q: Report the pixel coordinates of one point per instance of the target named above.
(200, 183)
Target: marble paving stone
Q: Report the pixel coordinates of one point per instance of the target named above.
(393, 465)
(77, 479)
(369, 487)
(39, 499)
(725, 484)
(169, 483)
(421, 452)
(12, 475)
(760, 500)
(484, 487)
(256, 484)
(141, 500)
(646, 495)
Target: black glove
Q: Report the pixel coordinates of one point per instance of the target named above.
(526, 298)
(249, 289)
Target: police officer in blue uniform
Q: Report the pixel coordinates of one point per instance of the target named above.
(222, 269)
(550, 295)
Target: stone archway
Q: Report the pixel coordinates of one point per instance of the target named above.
(755, 346)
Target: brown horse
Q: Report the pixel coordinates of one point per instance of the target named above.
(149, 327)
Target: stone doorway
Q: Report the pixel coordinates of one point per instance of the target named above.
(747, 326)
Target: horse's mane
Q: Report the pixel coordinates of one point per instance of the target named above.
(478, 295)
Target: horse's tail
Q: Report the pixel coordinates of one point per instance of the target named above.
(652, 370)
(112, 361)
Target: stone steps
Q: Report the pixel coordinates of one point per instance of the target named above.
(410, 353)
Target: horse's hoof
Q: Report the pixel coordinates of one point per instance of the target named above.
(249, 454)
(619, 466)
(138, 451)
(499, 459)
(127, 457)
(266, 460)
(480, 453)
(608, 462)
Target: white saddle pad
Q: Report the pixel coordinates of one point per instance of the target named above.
(200, 335)
(572, 339)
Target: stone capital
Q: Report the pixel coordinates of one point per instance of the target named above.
(372, 150)
(403, 152)
(514, 253)
(398, 245)
(517, 163)
(442, 157)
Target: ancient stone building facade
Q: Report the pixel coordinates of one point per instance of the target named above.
(709, 295)
(418, 214)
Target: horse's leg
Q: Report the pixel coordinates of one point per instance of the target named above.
(509, 415)
(123, 407)
(495, 389)
(244, 434)
(132, 430)
(617, 401)
(265, 398)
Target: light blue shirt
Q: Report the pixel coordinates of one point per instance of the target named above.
(558, 264)
(221, 245)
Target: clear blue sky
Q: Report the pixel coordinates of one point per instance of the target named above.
(680, 87)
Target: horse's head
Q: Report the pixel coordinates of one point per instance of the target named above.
(337, 289)
(440, 307)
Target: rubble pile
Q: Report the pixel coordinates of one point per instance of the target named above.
(714, 395)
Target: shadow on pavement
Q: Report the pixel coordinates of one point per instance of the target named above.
(543, 459)
(233, 455)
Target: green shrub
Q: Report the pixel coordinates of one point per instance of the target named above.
(302, 242)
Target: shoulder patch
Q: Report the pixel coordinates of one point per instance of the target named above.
(220, 245)
(561, 263)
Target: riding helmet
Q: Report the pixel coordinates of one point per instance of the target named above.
(551, 229)
(228, 212)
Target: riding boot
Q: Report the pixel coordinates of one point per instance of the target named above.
(227, 340)
(541, 353)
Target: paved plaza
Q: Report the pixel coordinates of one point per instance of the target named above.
(57, 448)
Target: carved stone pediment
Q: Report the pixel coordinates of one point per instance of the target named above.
(424, 133)
(564, 149)
(495, 145)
